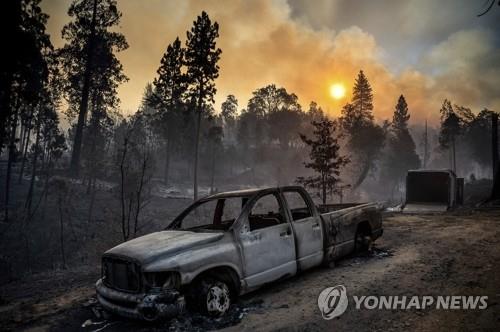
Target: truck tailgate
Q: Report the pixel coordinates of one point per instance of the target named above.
(340, 226)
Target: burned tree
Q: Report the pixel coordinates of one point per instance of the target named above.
(134, 164)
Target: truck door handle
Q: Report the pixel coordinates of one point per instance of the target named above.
(285, 233)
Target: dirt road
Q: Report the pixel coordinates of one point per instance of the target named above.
(452, 254)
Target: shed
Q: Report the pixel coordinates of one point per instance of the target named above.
(431, 190)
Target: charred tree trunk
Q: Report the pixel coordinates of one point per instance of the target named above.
(323, 185)
(29, 197)
(122, 188)
(139, 204)
(12, 146)
(167, 160)
(212, 173)
(25, 152)
(5, 100)
(454, 158)
(46, 186)
(196, 148)
(364, 173)
(91, 204)
(84, 102)
(61, 232)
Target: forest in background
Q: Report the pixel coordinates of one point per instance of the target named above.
(69, 194)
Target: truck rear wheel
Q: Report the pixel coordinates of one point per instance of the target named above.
(210, 296)
(363, 240)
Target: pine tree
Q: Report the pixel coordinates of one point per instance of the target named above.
(229, 110)
(23, 75)
(168, 97)
(315, 112)
(202, 56)
(451, 128)
(92, 71)
(401, 150)
(362, 97)
(401, 116)
(325, 158)
(365, 138)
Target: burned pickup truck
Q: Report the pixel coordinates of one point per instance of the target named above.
(229, 244)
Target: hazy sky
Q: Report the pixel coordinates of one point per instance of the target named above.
(427, 50)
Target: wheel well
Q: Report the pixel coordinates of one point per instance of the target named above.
(364, 228)
(224, 273)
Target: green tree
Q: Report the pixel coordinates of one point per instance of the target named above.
(201, 57)
(325, 159)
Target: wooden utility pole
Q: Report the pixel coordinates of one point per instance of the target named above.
(425, 145)
(495, 192)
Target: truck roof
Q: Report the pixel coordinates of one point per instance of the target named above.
(249, 192)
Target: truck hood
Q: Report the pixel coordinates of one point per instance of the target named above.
(156, 245)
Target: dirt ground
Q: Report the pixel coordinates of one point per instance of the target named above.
(452, 254)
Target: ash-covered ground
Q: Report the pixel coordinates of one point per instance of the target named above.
(451, 254)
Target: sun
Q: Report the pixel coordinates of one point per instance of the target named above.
(337, 91)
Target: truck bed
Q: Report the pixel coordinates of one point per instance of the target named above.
(340, 224)
(325, 208)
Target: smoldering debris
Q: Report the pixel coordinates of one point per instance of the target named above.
(188, 321)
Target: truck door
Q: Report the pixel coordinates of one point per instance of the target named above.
(307, 228)
(268, 245)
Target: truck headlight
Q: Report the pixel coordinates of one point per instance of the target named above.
(163, 280)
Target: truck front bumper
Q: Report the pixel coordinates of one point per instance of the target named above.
(153, 306)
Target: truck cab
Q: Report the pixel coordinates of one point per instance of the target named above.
(223, 246)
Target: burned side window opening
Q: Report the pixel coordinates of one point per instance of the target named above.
(217, 214)
(266, 212)
(298, 206)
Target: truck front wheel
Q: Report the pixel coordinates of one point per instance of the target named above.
(210, 296)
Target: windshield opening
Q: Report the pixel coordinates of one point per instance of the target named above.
(215, 214)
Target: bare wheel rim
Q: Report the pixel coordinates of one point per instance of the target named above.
(218, 299)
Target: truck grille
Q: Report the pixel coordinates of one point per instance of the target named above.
(121, 274)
